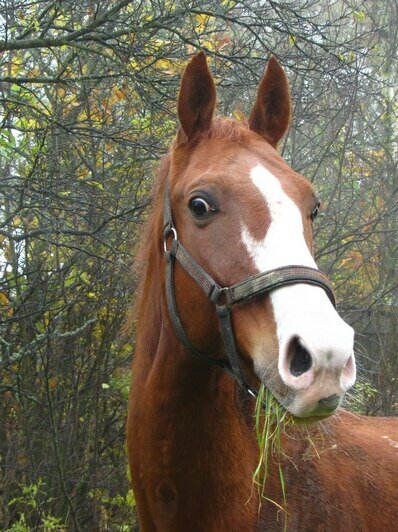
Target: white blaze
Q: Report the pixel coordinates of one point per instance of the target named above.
(300, 310)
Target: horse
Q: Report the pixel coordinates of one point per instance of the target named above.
(231, 298)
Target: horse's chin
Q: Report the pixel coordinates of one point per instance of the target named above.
(295, 416)
(310, 420)
(307, 421)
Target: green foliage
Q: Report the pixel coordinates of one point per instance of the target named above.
(30, 507)
(362, 396)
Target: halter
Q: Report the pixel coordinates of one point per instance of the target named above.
(224, 297)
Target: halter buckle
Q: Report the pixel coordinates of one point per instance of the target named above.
(167, 232)
(221, 296)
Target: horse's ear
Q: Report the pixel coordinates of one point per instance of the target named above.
(197, 98)
(270, 116)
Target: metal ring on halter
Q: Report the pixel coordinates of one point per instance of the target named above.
(167, 232)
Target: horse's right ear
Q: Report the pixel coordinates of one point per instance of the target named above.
(197, 99)
(270, 116)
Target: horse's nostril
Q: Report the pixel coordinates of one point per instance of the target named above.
(301, 360)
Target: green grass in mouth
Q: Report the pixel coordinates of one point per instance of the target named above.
(270, 420)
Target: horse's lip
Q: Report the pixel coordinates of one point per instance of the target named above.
(309, 419)
(312, 416)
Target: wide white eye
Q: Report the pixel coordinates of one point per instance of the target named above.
(199, 207)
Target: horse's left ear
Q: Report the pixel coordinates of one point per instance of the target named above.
(197, 98)
(270, 116)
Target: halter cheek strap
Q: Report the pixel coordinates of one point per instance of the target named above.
(225, 297)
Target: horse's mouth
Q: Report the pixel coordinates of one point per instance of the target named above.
(305, 406)
(310, 416)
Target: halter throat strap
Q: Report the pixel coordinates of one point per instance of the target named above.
(224, 297)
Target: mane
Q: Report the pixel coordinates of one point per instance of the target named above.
(148, 244)
(147, 249)
(227, 129)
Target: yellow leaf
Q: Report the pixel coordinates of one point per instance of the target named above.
(119, 94)
(15, 67)
(130, 500)
(202, 22)
(4, 299)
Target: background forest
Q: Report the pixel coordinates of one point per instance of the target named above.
(87, 110)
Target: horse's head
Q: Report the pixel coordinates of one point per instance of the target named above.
(240, 209)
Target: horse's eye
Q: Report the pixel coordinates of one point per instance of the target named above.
(315, 212)
(199, 207)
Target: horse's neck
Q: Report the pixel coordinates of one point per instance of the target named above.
(196, 439)
(199, 398)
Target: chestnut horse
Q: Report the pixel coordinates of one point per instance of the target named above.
(229, 212)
